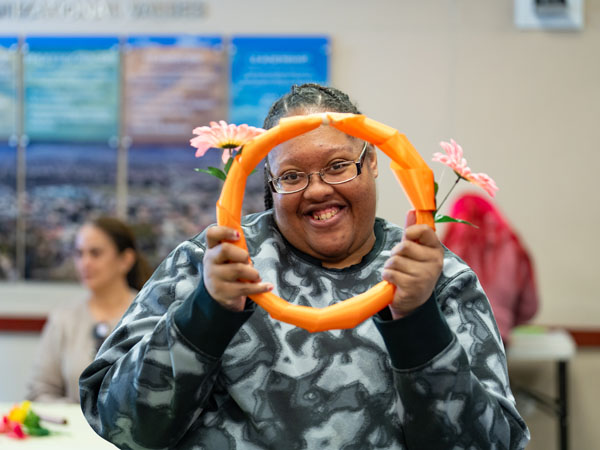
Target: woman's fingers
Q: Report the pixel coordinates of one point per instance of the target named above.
(422, 234)
(235, 272)
(217, 234)
(402, 264)
(239, 289)
(227, 253)
(414, 266)
(228, 273)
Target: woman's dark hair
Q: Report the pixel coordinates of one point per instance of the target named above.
(305, 98)
(124, 239)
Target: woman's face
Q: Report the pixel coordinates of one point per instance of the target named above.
(98, 260)
(333, 223)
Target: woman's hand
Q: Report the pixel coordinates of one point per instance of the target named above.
(414, 268)
(225, 266)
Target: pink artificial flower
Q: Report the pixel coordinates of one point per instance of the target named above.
(12, 428)
(485, 182)
(455, 160)
(17, 431)
(229, 137)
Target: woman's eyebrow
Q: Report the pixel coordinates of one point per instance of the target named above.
(330, 150)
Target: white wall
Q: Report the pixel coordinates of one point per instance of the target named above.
(18, 350)
(524, 105)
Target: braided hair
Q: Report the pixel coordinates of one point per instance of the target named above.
(306, 99)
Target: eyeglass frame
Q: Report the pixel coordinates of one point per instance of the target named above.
(358, 162)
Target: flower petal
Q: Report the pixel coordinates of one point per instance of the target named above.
(485, 182)
(226, 155)
(222, 135)
(202, 144)
(453, 158)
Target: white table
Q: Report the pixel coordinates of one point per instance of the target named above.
(533, 345)
(77, 434)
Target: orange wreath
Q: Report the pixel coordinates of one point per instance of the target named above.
(410, 169)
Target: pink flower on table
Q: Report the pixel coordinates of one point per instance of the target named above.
(229, 137)
(17, 431)
(12, 428)
(455, 160)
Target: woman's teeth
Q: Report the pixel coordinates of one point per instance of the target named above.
(324, 215)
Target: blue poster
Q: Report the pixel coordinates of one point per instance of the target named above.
(66, 185)
(264, 68)
(71, 88)
(8, 87)
(8, 212)
(172, 85)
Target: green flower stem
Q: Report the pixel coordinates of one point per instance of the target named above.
(458, 178)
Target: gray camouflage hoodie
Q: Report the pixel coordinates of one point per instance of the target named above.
(181, 372)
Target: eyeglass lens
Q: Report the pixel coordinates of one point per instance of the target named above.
(336, 173)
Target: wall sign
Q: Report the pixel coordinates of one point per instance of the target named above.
(264, 68)
(71, 88)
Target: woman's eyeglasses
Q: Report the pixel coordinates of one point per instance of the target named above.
(336, 173)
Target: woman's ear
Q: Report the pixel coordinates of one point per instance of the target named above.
(372, 160)
(127, 260)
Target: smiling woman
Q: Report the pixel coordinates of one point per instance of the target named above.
(412, 171)
(112, 270)
(196, 363)
(330, 222)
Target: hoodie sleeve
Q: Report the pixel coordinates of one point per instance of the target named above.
(450, 370)
(155, 373)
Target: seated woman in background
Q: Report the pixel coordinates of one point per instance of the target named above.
(113, 271)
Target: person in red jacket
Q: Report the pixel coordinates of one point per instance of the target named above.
(496, 254)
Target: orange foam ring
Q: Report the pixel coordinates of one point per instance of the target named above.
(415, 177)
(346, 314)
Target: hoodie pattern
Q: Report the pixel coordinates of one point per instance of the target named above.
(277, 386)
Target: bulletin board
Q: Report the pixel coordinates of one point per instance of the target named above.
(172, 84)
(264, 68)
(91, 123)
(8, 87)
(71, 88)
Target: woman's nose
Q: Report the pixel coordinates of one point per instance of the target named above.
(83, 260)
(317, 188)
